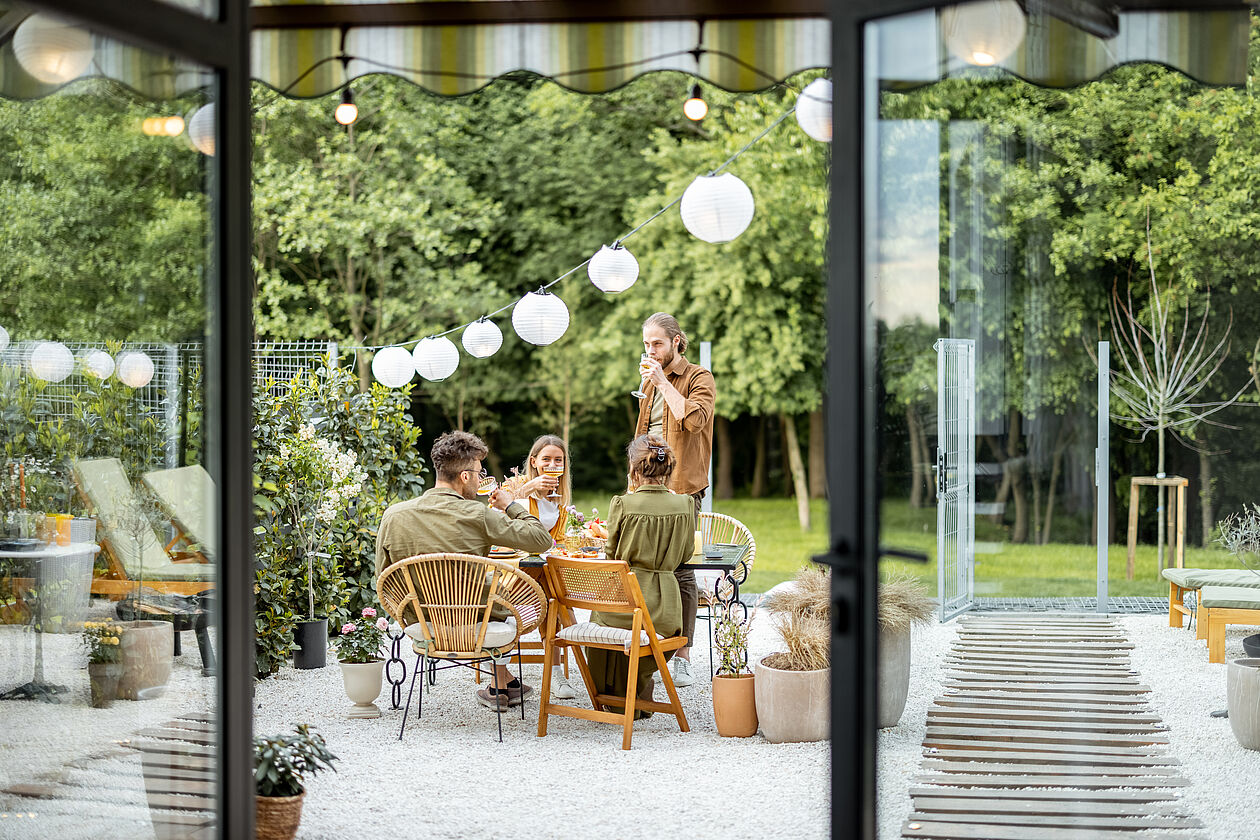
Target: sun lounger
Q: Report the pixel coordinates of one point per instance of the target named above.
(1181, 581)
(134, 558)
(188, 496)
(1220, 606)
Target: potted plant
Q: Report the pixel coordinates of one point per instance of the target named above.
(359, 655)
(903, 602)
(311, 482)
(734, 699)
(792, 686)
(103, 642)
(281, 765)
(1239, 534)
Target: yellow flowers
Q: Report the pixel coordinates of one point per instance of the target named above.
(102, 639)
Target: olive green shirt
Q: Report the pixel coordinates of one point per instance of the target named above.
(443, 521)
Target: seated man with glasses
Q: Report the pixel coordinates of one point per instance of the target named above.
(448, 519)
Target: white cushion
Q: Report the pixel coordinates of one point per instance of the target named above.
(498, 633)
(589, 631)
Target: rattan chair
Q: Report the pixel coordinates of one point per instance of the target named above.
(460, 609)
(608, 586)
(720, 528)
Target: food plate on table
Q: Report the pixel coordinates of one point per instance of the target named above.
(580, 554)
(21, 544)
(503, 554)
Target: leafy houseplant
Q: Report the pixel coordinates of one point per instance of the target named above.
(359, 652)
(734, 696)
(281, 765)
(312, 482)
(103, 640)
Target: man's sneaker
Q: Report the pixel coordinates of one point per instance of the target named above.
(681, 669)
(560, 687)
(498, 702)
(504, 698)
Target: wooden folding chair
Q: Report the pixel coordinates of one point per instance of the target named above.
(608, 586)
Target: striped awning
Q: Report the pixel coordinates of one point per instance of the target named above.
(595, 56)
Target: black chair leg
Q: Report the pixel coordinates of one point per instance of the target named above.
(407, 707)
(178, 649)
(420, 701)
(709, 609)
(520, 678)
(498, 710)
(208, 663)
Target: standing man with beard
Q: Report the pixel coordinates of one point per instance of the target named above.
(678, 404)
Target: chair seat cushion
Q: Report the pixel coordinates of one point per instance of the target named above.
(590, 632)
(498, 633)
(1229, 598)
(178, 571)
(1196, 578)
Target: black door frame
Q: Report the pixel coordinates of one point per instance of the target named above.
(222, 45)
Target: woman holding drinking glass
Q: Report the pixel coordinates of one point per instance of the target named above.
(545, 491)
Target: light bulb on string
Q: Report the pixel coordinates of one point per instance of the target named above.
(695, 108)
(984, 33)
(347, 112)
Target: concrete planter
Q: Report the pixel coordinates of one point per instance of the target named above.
(894, 675)
(363, 686)
(147, 648)
(793, 706)
(1242, 688)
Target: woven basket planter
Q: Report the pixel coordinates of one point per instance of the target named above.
(277, 817)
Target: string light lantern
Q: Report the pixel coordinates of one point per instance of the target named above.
(134, 369)
(201, 129)
(4, 339)
(984, 33)
(346, 111)
(482, 338)
(613, 269)
(393, 367)
(98, 363)
(435, 358)
(717, 208)
(51, 361)
(52, 49)
(540, 318)
(813, 110)
(695, 108)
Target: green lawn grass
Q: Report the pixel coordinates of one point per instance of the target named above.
(1003, 570)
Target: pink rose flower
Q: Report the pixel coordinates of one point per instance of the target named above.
(369, 612)
(382, 624)
(348, 628)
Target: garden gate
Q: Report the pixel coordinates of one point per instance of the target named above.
(955, 474)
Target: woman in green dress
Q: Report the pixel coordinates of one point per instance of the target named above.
(653, 530)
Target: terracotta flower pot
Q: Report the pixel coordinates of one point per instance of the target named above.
(793, 706)
(735, 705)
(277, 817)
(103, 679)
(363, 686)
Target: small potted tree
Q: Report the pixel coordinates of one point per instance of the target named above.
(281, 765)
(359, 655)
(793, 685)
(734, 698)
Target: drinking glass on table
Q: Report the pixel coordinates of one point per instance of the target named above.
(644, 370)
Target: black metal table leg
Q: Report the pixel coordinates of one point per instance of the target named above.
(395, 655)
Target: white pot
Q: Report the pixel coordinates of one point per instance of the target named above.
(363, 686)
(793, 706)
(894, 675)
(1242, 688)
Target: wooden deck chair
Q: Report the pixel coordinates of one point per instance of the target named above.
(133, 561)
(188, 496)
(607, 586)
(462, 610)
(720, 529)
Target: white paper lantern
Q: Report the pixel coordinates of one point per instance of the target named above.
(717, 208)
(52, 49)
(435, 358)
(4, 339)
(984, 33)
(51, 361)
(201, 127)
(98, 363)
(482, 338)
(813, 110)
(393, 367)
(134, 369)
(613, 269)
(540, 318)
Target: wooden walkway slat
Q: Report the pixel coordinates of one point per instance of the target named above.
(1043, 731)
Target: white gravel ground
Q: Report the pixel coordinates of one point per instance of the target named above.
(450, 778)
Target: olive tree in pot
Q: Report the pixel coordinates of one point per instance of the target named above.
(281, 765)
(903, 602)
(734, 701)
(792, 686)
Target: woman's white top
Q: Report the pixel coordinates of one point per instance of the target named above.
(548, 512)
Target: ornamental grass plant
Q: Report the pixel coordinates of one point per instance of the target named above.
(802, 617)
